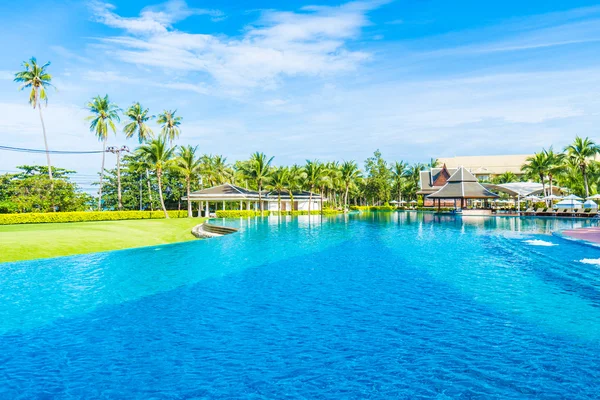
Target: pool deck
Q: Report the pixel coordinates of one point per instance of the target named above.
(588, 234)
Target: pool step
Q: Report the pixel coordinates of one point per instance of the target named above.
(207, 230)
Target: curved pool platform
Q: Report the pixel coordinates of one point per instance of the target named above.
(373, 305)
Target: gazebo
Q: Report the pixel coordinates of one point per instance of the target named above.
(463, 186)
(250, 199)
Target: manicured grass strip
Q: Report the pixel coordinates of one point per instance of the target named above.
(27, 242)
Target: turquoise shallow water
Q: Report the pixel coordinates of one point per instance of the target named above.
(381, 305)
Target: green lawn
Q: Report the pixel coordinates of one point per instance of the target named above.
(27, 242)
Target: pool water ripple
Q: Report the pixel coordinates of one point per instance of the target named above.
(373, 306)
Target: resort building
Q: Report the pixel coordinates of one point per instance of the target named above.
(245, 199)
(486, 167)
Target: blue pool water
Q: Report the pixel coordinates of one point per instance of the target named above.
(381, 305)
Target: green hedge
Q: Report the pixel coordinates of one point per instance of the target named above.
(252, 214)
(240, 213)
(85, 216)
(373, 208)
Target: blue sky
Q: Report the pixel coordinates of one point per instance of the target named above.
(311, 79)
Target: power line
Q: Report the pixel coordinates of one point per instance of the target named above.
(38, 151)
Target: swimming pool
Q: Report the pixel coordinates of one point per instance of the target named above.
(378, 305)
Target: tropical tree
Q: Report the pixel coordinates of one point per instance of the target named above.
(278, 182)
(581, 152)
(159, 157)
(38, 79)
(399, 175)
(350, 172)
(170, 125)
(215, 170)
(506, 177)
(296, 175)
(556, 165)
(258, 169)
(189, 166)
(138, 125)
(104, 115)
(313, 174)
(536, 167)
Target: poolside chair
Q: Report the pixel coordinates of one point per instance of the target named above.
(588, 213)
(562, 212)
(540, 211)
(529, 211)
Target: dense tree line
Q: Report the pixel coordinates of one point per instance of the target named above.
(158, 173)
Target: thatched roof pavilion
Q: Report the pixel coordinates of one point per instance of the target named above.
(462, 185)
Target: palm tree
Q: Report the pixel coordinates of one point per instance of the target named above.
(189, 165)
(258, 169)
(506, 177)
(104, 115)
(350, 173)
(556, 165)
(580, 152)
(314, 171)
(159, 157)
(38, 79)
(536, 167)
(138, 116)
(279, 182)
(399, 174)
(170, 125)
(296, 175)
(433, 163)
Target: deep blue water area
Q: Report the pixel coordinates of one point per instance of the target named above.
(379, 305)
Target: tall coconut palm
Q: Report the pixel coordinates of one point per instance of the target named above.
(556, 165)
(313, 173)
(160, 157)
(38, 79)
(104, 115)
(350, 172)
(170, 125)
(189, 165)
(399, 174)
(296, 175)
(138, 125)
(258, 169)
(581, 152)
(536, 167)
(279, 182)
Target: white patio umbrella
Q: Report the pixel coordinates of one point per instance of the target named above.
(413, 202)
(552, 197)
(572, 197)
(594, 197)
(402, 201)
(568, 203)
(590, 204)
(393, 202)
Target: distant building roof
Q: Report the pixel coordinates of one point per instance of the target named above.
(462, 185)
(429, 180)
(487, 165)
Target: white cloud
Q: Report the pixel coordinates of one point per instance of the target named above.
(113, 76)
(311, 42)
(7, 75)
(152, 20)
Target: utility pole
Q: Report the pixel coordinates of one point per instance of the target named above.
(117, 151)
